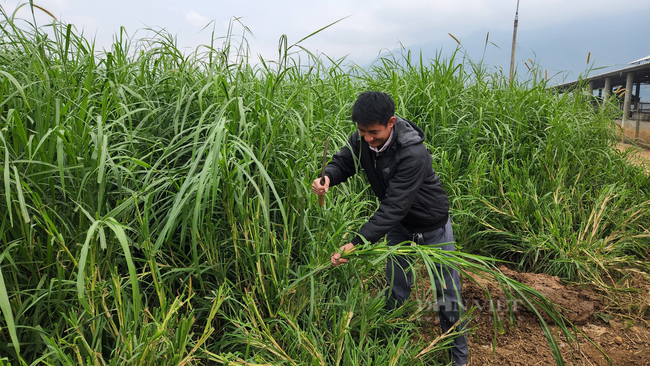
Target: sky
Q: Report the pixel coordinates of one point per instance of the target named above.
(558, 35)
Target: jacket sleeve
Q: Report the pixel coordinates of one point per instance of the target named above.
(343, 164)
(401, 192)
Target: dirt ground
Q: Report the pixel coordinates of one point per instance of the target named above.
(623, 341)
(641, 157)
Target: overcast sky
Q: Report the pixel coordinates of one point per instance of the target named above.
(557, 33)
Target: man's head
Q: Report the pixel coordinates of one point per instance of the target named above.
(373, 107)
(374, 114)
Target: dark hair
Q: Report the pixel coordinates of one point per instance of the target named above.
(373, 107)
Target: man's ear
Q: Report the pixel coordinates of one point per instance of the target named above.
(391, 122)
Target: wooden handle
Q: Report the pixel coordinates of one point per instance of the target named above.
(321, 200)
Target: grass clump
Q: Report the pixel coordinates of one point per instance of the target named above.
(156, 205)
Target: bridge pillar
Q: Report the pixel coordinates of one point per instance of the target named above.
(628, 95)
(608, 89)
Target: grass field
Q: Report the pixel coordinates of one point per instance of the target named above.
(156, 205)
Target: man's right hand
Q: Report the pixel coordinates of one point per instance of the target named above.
(319, 189)
(336, 257)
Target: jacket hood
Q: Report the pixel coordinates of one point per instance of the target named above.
(407, 132)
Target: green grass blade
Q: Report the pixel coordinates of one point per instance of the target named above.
(5, 306)
(81, 293)
(7, 179)
(135, 286)
(17, 85)
(21, 197)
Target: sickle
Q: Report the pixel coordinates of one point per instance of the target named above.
(321, 199)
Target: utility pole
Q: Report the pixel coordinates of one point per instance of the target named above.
(514, 44)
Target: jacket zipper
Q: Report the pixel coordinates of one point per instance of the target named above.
(379, 175)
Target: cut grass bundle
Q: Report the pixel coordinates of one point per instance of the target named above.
(434, 259)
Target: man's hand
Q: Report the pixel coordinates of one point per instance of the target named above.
(336, 257)
(319, 189)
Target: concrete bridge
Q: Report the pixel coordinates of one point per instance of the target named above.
(625, 85)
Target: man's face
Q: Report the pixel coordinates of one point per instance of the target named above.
(376, 134)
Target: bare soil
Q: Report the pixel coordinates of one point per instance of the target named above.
(596, 341)
(641, 156)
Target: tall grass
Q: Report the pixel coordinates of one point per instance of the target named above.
(156, 205)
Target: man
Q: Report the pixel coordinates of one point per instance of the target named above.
(414, 206)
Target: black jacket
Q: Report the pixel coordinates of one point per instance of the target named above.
(401, 176)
